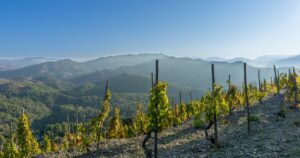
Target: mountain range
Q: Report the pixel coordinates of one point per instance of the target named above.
(262, 61)
(11, 64)
(183, 72)
(131, 60)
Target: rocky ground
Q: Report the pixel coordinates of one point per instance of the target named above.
(271, 136)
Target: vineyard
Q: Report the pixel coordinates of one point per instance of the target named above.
(210, 126)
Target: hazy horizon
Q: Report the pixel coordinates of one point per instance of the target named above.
(96, 57)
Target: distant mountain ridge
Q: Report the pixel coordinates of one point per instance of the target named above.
(116, 61)
(68, 68)
(11, 64)
(185, 72)
(261, 61)
(290, 61)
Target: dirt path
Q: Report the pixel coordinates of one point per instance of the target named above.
(270, 137)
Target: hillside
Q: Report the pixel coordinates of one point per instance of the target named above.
(67, 68)
(11, 64)
(58, 69)
(270, 137)
(291, 61)
(114, 62)
(184, 71)
(196, 73)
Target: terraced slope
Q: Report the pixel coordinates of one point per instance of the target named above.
(271, 136)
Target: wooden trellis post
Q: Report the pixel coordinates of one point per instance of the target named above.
(281, 112)
(259, 82)
(180, 99)
(77, 117)
(246, 97)
(215, 114)
(156, 106)
(276, 79)
(229, 81)
(295, 86)
(172, 101)
(259, 85)
(152, 82)
(68, 121)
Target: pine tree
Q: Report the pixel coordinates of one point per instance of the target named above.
(47, 144)
(115, 129)
(26, 141)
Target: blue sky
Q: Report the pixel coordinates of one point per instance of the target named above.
(194, 28)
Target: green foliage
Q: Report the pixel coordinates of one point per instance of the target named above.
(283, 79)
(10, 150)
(233, 97)
(253, 93)
(129, 131)
(65, 143)
(159, 109)
(81, 140)
(291, 87)
(98, 121)
(47, 144)
(254, 118)
(26, 141)
(176, 119)
(183, 115)
(193, 108)
(140, 122)
(11, 106)
(198, 123)
(215, 102)
(115, 128)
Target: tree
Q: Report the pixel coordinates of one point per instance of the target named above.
(215, 105)
(215, 102)
(115, 129)
(139, 121)
(183, 112)
(98, 121)
(176, 118)
(65, 143)
(233, 97)
(47, 144)
(162, 117)
(10, 150)
(26, 141)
